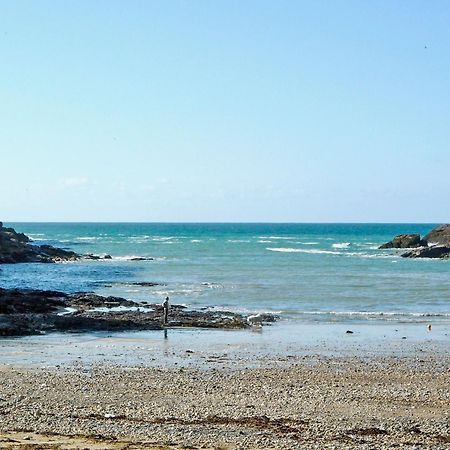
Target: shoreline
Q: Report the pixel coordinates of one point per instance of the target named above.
(280, 344)
(312, 403)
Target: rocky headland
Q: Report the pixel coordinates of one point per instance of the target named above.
(18, 248)
(29, 311)
(436, 244)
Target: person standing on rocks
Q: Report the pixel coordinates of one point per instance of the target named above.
(165, 306)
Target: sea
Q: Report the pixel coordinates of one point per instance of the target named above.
(315, 273)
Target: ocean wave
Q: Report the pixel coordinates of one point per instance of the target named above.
(212, 285)
(374, 314)
(331, 252)
(302, 250)
(341, 245)
(237, 241)
(131, 257)
(37, 236)
(264, 242)
(88, 238)
(196, 240)
(241, 310)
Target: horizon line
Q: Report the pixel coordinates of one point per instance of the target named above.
(222, 222)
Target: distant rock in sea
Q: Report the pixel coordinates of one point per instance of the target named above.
(439, 236)
(436, 244)
(404, 241)
(438, 251)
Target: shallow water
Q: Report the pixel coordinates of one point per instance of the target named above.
(279, 345)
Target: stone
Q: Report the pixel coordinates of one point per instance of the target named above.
(437, 251)
(439, 236)
(29, 311)
(404, 241)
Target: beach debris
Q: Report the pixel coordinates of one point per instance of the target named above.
(429, 327)
(349, 332)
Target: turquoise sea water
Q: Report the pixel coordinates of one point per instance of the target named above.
(303, 272)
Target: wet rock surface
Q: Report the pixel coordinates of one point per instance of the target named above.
(27, 311)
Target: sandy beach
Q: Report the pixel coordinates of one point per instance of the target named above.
(312, 403)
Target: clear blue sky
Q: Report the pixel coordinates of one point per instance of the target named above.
(225, 110)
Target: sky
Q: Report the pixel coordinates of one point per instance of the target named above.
(225, 111)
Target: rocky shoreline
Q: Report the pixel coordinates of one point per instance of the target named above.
(17, 248)
(436, 244)
(27, 311)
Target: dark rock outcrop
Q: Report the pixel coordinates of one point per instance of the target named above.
(436, 251)
(27, 311)
(436, 244)
(96, 257)
(404, 241)
(439, 236)
(17, 248)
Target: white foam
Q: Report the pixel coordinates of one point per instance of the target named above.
(130, 257)
(264, 242)
(341, 245)
(302, 250)
(196, 240)
(88, 238)
(375, 313)
(237, 240)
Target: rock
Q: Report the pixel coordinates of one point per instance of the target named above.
(96, 257)
(91, 256)
(404, 241)
(141, 258)
(439, 235)
(28, 311)
(429, 252)
(57, 254)
(16, 248)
